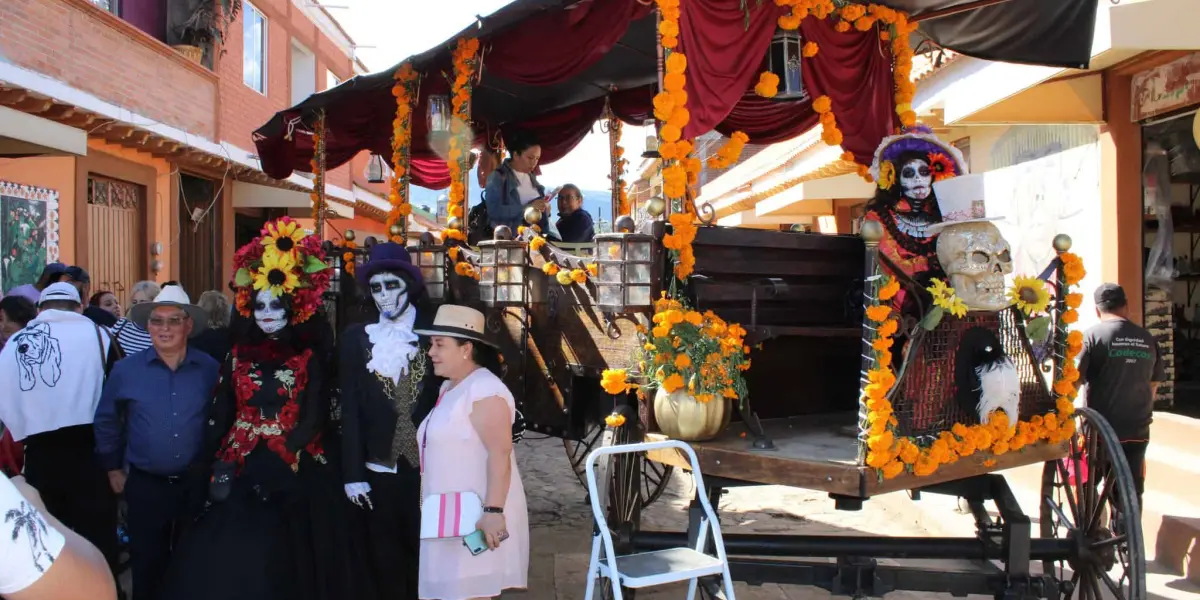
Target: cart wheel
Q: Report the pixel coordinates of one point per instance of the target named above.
(1089, 497)
(655, 476)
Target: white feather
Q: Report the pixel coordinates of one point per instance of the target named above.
(1000, 388)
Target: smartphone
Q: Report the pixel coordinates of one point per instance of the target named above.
(476, 542)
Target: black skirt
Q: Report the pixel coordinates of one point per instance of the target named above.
(295, 540)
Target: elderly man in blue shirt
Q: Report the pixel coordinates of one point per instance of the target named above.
(163, 394)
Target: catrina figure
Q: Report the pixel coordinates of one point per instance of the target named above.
(278, 525)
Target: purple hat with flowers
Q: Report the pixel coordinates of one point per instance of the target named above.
(944, 159)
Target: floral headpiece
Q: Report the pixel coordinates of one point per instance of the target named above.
(286, 261)
(944, 160)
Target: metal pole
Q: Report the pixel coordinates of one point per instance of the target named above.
(319, 179)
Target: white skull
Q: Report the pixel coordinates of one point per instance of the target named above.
(916, 179)
(390, 294)
(269, 312)
(976, 258)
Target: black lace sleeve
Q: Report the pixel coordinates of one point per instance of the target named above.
(221, 413)
(314, 406)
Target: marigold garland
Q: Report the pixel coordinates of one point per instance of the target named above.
(768, 85)
(891, 455)
(405, 91)
(615, 127)
(728, 154)
(466, 61)
(348, 256)
(318, 169)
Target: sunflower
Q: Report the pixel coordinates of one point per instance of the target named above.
(887, 175)
(941, 166)
(283, 237)
(277, 273)
(1029, 294)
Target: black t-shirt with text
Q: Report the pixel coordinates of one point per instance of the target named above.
(1119, 362)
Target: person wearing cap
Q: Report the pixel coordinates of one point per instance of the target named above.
(78, 277)
(1122, 366)
(152, 416)
(52, 373)
(383, 372)
(466, 447)
(53, 273)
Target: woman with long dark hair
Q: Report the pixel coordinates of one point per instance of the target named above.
(277, 523)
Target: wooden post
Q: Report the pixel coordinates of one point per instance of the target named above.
(1062, 245)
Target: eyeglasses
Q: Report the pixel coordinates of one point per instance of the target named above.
(171, 322)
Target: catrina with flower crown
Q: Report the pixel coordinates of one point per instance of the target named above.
(277, 524)
(905, 205)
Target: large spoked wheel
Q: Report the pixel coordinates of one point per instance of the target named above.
(1089, 498)
(655, 476)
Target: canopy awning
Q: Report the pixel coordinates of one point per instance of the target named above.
(549, 65)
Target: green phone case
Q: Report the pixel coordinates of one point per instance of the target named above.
(476, 543)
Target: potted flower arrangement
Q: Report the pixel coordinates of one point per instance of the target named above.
(695, 363)
(206, 27)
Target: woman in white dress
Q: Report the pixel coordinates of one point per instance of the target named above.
(466, 446)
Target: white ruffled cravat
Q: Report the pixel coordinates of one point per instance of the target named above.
(394, 344)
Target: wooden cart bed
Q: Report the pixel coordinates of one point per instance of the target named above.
(820, 453)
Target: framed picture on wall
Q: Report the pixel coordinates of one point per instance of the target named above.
(28, 232)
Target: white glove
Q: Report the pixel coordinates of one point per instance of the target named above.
(358, 494)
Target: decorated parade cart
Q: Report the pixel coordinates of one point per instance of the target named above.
(857, 365)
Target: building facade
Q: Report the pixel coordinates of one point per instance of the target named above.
(121, 154)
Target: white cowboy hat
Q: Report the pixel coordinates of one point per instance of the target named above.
(173, 296)
(462, 322)
(961, 200)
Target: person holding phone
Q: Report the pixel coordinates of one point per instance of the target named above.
(465, 443)
(513, 186)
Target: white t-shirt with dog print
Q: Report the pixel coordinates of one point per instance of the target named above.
(28, 546)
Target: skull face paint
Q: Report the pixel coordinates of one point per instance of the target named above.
(916, 179)
(390, 293)
(269, 312)
(976, 259)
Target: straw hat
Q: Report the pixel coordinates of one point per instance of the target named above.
(462, 322)
(172, 296)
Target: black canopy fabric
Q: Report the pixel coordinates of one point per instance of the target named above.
(1041, 32)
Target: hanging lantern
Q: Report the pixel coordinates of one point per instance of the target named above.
(502, 272)
(625, 271)
(430, 258)
(376, 169)
(439, 113)
(784, 60)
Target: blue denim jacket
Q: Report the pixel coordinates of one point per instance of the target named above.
(504, 203)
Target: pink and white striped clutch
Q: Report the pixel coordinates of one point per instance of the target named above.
(450, 515)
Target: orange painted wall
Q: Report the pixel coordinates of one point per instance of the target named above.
(1121, 193)
(55, 173)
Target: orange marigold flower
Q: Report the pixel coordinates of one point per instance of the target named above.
(889, 291)
(879, 313)
(892, 469)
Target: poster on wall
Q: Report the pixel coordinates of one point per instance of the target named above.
(28, 232)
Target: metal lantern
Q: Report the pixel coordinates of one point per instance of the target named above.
(502, 272)
(784, 60)
(430, 258)
(624, 272)
(439, 115)
(376, 169)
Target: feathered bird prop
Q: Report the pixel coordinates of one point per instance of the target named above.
(985, 377)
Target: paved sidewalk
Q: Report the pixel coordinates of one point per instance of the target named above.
(561, 523)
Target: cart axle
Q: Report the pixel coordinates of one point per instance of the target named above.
(800, 546)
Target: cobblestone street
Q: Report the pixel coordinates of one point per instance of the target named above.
(561, 524)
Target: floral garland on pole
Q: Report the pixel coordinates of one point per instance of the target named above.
(466, 63)
(318, 169)
(405, 92)
(728, 154)
(892, 455)
(618, 163)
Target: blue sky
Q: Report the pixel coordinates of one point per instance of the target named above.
(400, 28)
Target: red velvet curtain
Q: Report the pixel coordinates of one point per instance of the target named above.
(560, 44)
(724, 55)
(855, 70)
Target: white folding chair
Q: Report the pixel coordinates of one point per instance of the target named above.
(648, 569)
